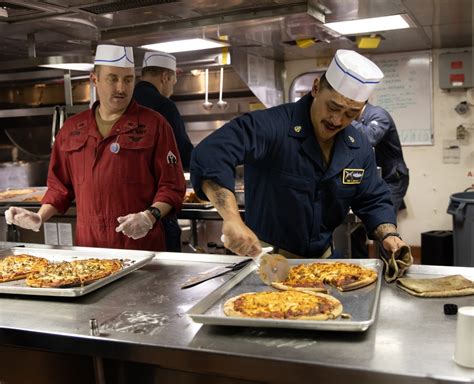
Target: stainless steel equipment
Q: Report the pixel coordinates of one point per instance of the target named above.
(23, 174)
(144, 329)
(361, 304)
(132, 260)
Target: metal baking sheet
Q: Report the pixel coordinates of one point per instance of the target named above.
(361, 303)
(19, 200)
(132, 261)
(198, 205)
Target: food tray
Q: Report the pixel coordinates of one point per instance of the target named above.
(132, 261)
(19, 199)
(361, 303)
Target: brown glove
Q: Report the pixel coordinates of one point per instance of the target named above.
(396, 264)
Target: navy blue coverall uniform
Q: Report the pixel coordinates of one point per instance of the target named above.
(291, 200)
(147, 94)
(380, 129)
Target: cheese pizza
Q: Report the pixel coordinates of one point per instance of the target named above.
(17, 267)
(73, 274)
(284, 305)
(314, 276)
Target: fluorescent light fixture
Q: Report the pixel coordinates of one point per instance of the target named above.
(373, 24)
(185, 45)
(71, 66)
(73, 63)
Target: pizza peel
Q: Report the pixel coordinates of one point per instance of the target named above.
(271, 267)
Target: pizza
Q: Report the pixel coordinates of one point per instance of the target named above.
(34, 199)
(284, 305)
(17, 267)
(11, 193)
(73, 274)
(315, 276)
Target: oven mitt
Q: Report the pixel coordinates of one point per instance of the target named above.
(396, 264)
(447, 286)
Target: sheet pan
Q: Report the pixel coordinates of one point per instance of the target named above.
(19, 199)
(198, 205)
(361, 303)
(132, 261)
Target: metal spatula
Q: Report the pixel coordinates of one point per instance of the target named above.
(271, 267)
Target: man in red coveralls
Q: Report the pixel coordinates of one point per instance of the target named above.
(118, 160)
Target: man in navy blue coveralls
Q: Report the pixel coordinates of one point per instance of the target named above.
(153, 91)
(377, 124)
(305, 165)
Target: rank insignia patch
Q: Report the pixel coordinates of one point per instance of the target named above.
(171, 158)
(352, 176)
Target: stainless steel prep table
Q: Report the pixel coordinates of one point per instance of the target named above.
(143, 319)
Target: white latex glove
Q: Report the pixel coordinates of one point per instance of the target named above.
(134, 225)
(23, 218)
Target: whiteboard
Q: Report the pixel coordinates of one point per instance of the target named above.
(406, 93)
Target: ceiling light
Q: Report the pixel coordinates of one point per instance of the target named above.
(73, 63)
(71, 66)
(373, 24)
(185, 45)
(3, 12)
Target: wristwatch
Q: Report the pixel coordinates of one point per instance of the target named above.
(396, 234)
(155, 212)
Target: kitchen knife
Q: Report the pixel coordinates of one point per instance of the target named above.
(271, 267)
(214, 272)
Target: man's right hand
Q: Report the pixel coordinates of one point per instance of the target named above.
(23, 218)
(240, 239)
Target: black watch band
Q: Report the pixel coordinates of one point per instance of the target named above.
(155, 212)
(396, 234)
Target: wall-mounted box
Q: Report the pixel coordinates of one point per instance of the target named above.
(455, 70)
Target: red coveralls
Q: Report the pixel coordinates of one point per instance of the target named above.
(106, 185)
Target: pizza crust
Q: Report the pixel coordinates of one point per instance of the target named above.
(358, 284)
(17, 267)
(284, 287)
(333, 312)
(331, 273)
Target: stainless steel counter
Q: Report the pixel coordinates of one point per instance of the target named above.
(142, 318)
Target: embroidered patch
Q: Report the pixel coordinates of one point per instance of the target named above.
(171, 158)
(351, 139)
(135, 139)
(352, 176)
(297, 128)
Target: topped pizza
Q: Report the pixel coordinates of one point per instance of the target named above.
(40, 272)
(17, 267)
(73, 274)
(284, 305)
(314, 276)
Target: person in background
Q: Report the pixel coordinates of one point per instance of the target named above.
(118, 161)
(377, 124)
(305, 165)
(153, 91)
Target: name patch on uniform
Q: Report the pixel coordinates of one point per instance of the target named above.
(352, 176)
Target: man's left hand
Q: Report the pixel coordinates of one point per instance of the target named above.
(397, 258)
(135, 225)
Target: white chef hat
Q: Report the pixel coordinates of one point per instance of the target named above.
(353, 75)
(159, 59)
(114, 55)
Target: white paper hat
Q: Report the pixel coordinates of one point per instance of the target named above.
(114, 55)
(353, 75)
(159, 59)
